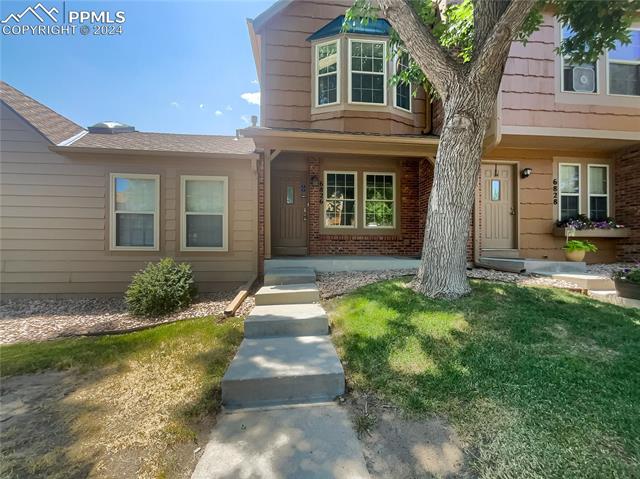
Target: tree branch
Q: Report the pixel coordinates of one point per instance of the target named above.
(436, 63)
(493, 52)
(486, 14)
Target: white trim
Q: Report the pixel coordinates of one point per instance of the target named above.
(364, 200)
(183, 213)
(325, 199)
(395, 88)
(597, 72)
(384, 72)
(316, 76)
(598, 195)
(578, 194)
(113, 212)
(73, 139)
(608, 62)
(570, 132)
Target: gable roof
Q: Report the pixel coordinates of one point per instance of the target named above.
(379, 27)
(53, 126)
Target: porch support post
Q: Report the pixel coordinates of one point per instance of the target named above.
(267, 203)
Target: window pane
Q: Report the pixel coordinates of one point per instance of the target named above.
(630, 52)
(597, 180)
(379, 202)
(204, 196)
(289, 195)
(495, 190)
(204, 231)
(569, 179)
(340, 185)
(367, 88)
(328, 58)
(327, 89)
(569, 207)
(133, 229)
(598, 208)
(135, 195)
(580, 78)
(624, 79)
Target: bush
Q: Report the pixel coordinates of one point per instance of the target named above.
(161, 288)
(577, 245)
(631, 275)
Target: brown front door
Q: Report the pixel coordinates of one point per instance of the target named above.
(498, 222)
(289, 213)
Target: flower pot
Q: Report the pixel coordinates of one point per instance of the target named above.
(576, 255)
(627, 289)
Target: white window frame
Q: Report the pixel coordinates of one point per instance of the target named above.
(597, 72)
(355, 199)
(113, 212)
(621, 62)
(364, 200)
(560, 194)
(395, 90)
(384, 71)
(184, 213)
(317, 76)
(599, 195)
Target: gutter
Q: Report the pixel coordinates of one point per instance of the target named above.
(69, 150)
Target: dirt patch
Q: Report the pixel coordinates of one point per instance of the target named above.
(396, 447)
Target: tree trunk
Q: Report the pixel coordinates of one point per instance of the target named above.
(467, 110)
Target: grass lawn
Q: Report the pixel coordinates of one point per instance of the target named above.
(538, 382)
(131, 405)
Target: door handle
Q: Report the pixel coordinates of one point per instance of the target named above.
(513, 211)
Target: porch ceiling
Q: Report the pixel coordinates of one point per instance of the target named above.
(344, 143)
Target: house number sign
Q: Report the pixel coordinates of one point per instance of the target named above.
(555, 191)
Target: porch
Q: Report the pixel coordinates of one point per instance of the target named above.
(335, 264)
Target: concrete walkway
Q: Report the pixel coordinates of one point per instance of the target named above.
(278, 420)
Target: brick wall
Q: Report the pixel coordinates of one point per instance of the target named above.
(261, 230)
(627, 185)
(415, 185)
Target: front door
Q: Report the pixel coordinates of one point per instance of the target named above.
(289, 213)
(499, 213)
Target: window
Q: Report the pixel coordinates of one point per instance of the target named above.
(579, 78)
(495, 190)
(379, 200)
(339, 199)
(598, 192)
(402, 90)
(624, 67)
(134, 211)
(569, 191)
(368, 72)
(328, 84)
(204, 213)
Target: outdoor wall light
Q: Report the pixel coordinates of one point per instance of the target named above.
(315, 181)
(526, 172)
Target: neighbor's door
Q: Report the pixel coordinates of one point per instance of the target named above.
(289, 213)
(499, 213)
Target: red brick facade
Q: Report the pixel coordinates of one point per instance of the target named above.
(261, 228)
(627, 171)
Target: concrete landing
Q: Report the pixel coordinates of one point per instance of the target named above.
(299, 275)
(527, 265)
(283, 370)
(588, 281)
(286, 320)
(613, 298)
(338, 263)
(310, 442)
(288, 294)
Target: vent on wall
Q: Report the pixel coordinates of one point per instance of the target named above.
(111, 128)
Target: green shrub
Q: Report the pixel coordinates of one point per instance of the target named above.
(577, 245)
(161, 288)
(631, 275)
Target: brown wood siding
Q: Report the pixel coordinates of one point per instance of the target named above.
(54, 218)
(529, 91)
(287, 82)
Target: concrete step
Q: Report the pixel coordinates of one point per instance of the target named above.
(588, 281)
(527, 265)
(286, 320)
(612, 297)
(288, 294)
(282, 371)
(300, 275)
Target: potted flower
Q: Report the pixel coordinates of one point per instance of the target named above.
(575, 250)
(628, 282)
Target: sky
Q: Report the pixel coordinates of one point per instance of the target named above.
(177, 66)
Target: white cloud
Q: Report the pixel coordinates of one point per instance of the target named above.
(246, 119)
(255, 82)
(228, 108)
(202, 106)
(175, 105)
(218, 113)
(252, 98)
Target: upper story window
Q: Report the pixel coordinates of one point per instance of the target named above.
(402, 92)
(327, 73)
(624, 67)
(582, 78)
(367, 72)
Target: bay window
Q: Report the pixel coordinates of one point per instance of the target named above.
(204, 213)
(569, 191)
(135, 201)
(367, 72)
(340, 199)
(624, 67)
(379, 200)
(598, 178)
(327, 73)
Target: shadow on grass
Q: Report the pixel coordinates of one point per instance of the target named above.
(538, 380)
